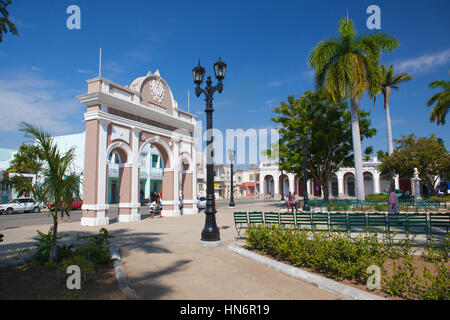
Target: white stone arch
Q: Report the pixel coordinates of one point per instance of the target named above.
(185, 156)
(368, 177)
(164, 145)
(266, 187)
(119, 145)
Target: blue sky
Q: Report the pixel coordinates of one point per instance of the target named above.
(264, 43)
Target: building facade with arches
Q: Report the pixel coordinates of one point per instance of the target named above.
(340, 186)
(137, 141)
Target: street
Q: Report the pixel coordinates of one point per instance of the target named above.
(18, 220)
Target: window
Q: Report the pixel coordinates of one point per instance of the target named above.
(154, 160)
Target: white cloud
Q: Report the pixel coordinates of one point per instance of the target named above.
(309, 74)
(85, 71)
(275, 84)
(424, 63)
(27, 97)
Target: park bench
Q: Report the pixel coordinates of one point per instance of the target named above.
(377, 222)
(287, 219)
(338, 222)
(255, 218)
(271, 218)
(357, 222)
(417, 223)
(240, 222)
(303, 219)
(319, 219)
(439, 223)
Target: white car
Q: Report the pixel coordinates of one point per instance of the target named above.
(20, 205)
(201, 204)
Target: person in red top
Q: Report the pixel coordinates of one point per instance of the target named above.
(392, 201)
(293, 202)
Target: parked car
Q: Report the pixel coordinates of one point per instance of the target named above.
(201, 204)
(20, 205)
(76, 203)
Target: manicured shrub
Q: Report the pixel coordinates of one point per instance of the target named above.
(339, 256)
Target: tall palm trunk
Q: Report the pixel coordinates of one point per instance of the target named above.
(357, 150)
(53, 250)
(388, 121)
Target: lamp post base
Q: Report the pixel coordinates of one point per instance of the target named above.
(210, 244)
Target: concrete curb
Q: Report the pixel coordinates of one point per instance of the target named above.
(339, 289)
(121, 276)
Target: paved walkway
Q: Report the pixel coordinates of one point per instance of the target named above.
(164, 260)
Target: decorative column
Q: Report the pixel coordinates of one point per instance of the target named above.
(276, 186)
(309, 189)
(129, 183)
(376, 181)
(416, 180)
(291, 183)
(397, 181)
(194, 177)
(95, 207)
(340, 179)
(176, 182)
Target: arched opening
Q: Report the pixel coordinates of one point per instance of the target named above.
(151, 170)
(283, 182)
(269, 185)
(334, 186)
(368, 183)
(349, 184)
(118, 176)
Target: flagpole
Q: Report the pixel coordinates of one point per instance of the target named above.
(100, 64)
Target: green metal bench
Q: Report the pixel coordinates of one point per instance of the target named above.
(397, 222)
(439, 223)
(255, 217)
(271, 218)
(357, 222)
(417, 223)
(377, 222)
(303, 219)
(338, 222)
(240, 222)
(319, 219)
(287, 219)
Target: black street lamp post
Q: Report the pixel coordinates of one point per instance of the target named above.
(210, 232)
(305, 186)
(231, 157)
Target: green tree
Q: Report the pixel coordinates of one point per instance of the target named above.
(347, 66)
(330, 146)
(389, 81)
(5, 23)
(26, 160)
(442, 100)
(428, 155)
(56, 184)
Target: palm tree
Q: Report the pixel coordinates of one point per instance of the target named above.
(389, 81)
(442, 100)
(5, 23)
(57, 185)
(346, 67)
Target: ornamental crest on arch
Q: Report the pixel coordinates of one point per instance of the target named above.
(156, 88)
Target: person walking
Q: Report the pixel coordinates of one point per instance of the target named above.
(63, 209)
(392, 203)
(158, 206)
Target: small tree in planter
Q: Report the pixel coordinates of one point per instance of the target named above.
(57, 184)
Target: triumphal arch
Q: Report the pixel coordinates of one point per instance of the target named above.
(137, 142)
